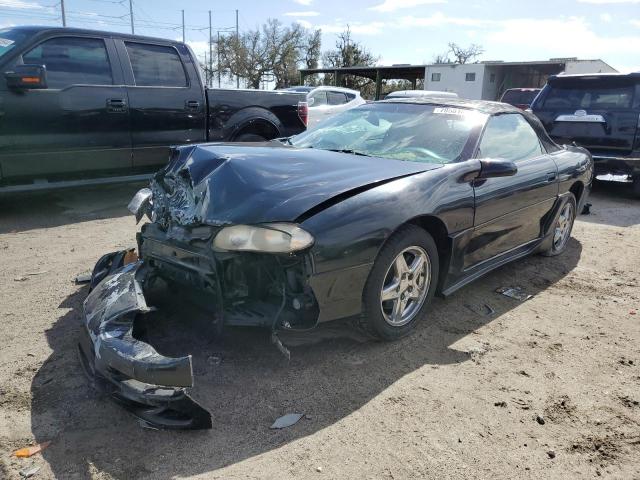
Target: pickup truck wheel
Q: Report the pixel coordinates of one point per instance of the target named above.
(562, 229)
(250, 137)
(401, 284)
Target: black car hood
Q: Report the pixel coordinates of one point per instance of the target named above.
(218, 184)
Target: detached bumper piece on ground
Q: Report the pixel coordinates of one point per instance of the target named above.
(148, 384)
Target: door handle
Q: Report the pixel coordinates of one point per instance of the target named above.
(551, 176)
(192, 105)
(116, 105)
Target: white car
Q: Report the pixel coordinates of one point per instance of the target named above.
(326, 101)
(421, 93)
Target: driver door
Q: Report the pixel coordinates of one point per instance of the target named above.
(509, 210)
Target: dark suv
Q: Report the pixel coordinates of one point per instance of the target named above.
(600, 112)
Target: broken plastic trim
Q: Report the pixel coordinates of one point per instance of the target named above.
(140, 205)
(145, 382)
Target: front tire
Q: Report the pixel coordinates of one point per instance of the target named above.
(401, 284)
(562, 228)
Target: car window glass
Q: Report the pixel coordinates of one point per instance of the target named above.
(336, 98)
(319, 98)
(589, 97)
(509, 137)
(72, 61)
(156, 65)
(401, 131)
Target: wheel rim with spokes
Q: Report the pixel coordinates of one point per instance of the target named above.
(405, 286)
(563, 227)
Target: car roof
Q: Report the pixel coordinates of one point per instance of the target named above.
(337, 89)
(632, 75)
(483, 106)
(87, 31)
(421, 93)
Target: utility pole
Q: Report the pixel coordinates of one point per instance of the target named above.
(183, 40)
(218, 52)
(64, 17)
(237, 42)
(206, 72)
(210, 49)
(131, 15)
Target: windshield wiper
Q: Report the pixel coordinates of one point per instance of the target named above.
(347, 150)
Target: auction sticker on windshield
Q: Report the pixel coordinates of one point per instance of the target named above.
(5, 42)
(451, 111)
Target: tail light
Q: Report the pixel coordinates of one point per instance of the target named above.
(303, 112)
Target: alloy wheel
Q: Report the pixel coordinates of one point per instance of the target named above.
(405, 286)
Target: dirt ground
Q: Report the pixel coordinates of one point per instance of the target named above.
(458, 399)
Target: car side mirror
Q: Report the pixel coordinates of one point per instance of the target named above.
(496, 167)
(311, 101)
(27, 77)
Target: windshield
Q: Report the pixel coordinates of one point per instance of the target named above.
(9, 37)
(402, 131)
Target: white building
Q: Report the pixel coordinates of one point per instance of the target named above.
(488, 80)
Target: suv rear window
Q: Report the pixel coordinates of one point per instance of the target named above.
(592, 95)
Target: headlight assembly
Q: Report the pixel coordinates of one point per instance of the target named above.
(269, 238)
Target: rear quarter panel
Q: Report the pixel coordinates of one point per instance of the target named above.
(231, 110)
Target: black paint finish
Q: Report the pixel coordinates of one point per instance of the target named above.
(89, 131)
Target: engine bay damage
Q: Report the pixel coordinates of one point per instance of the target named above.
(234, 288)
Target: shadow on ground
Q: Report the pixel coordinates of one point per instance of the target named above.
(606, 198)
(29, 211)
(247, 383)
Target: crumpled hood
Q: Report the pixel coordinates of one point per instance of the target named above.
(217, 184)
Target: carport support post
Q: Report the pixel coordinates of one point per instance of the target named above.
(378, 84)
(301, 78)
(413, 83)
(335, 78)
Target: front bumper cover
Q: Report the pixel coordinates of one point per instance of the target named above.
(150, 385)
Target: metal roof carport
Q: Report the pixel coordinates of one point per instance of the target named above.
(378, 73)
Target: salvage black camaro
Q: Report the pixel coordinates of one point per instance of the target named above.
(367, 216)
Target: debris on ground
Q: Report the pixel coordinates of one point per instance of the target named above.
(586, 209)
(551, 454)
(30, 472)
(84, 277)
(540, 419)
(32, 450)
(287, 420)
(516, 293)
(484, 309)
(500, 404)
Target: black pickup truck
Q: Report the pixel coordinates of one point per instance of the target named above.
(87, 107)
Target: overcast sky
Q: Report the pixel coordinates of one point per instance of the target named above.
(400, 31)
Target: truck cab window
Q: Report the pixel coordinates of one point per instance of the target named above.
(509, 137)
(72, 61)
(156, 65)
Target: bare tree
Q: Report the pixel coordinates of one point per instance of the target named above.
(442, 58)
(463, 55)
(349, 53)
(273, 50)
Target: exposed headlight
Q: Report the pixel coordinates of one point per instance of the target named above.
(270, 237)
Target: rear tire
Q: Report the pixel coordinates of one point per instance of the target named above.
(562, 228)
(250, 137)
(401, 284)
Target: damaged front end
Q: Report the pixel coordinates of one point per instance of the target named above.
(253, 274)
(150, 385)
